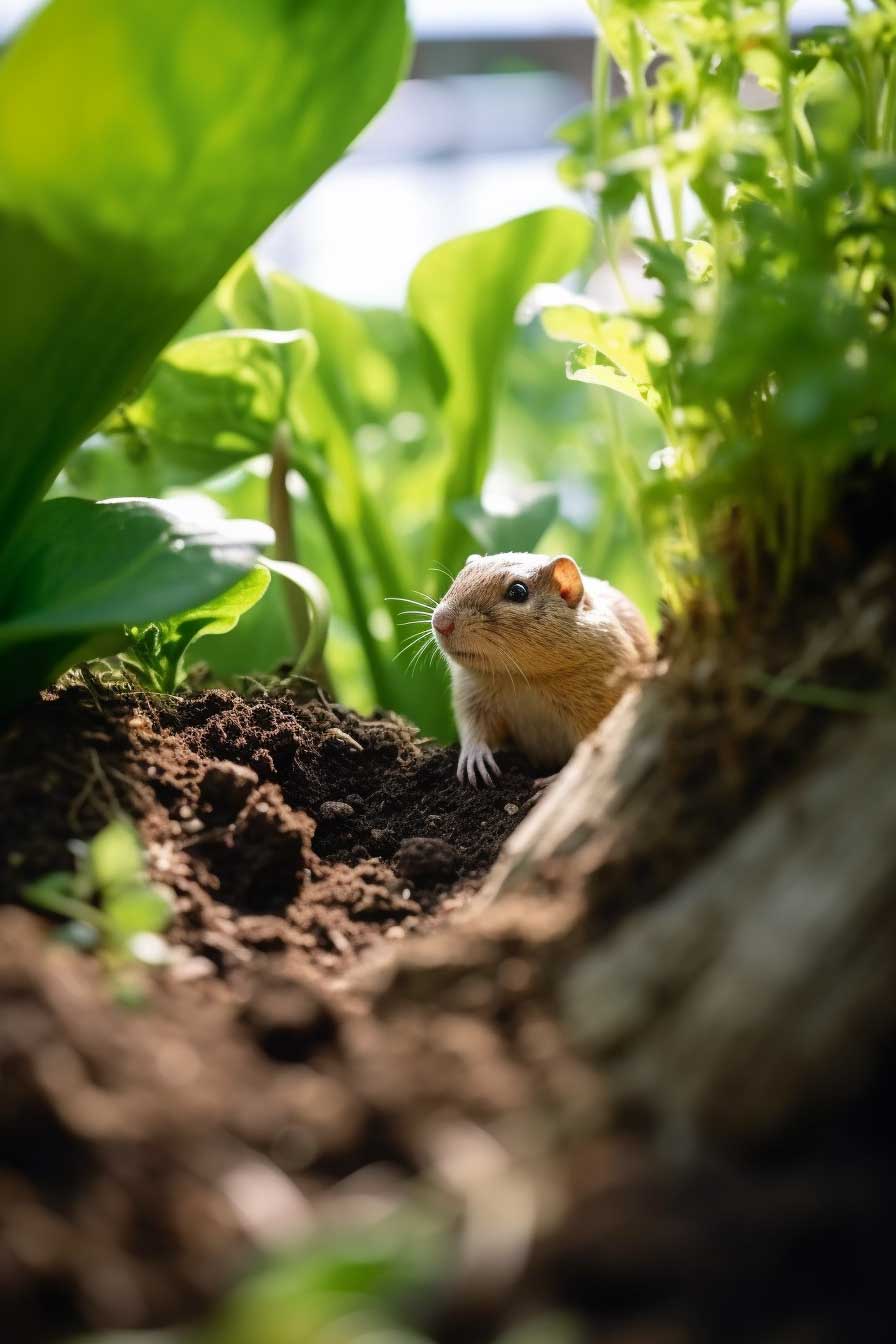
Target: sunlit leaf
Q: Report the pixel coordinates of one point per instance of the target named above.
(216, 400)
(464, 295)
(143, 146)
(587, 365)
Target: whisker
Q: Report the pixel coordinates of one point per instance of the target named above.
(433, 602)
(439, 568)
(517, 666)
(415, 639)
(417, 656)
(412, 602)
(409, 644)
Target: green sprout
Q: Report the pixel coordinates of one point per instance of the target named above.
(108, 899)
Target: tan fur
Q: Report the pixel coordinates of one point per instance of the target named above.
(542, 674)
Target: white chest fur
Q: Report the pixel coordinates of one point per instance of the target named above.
(539, 728)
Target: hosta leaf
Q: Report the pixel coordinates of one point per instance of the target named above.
(143, 147)
(464, 296)
(84, 569)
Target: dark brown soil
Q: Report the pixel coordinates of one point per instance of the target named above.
(282, 828)
(147, 1155)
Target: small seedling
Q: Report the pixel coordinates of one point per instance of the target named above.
(108, 899)
(156, 653)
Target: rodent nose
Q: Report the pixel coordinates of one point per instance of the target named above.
(442, 622)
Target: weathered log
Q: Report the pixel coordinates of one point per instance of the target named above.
(760, 990)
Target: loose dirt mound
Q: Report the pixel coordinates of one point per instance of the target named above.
(281, 827)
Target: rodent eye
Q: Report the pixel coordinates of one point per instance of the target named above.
(517, 592)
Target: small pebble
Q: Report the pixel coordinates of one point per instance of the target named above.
(331, 810)
(194, 968)
(511, 809)
(396, 931)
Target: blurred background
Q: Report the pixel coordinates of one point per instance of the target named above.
(463, 144)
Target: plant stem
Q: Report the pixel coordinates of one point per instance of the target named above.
(600, 96)
(641, 118)
(353, 590)
(280, 515)
(888, 106)
(385, 563)
(788, 123)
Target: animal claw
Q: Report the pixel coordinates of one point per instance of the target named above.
(477, 759)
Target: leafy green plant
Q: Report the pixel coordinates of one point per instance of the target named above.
(141, 149)
(108, 898)
(764, 353)
(155, 652)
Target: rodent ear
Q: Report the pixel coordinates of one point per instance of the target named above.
(567, 579)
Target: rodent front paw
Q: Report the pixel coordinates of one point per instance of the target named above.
(477, 756)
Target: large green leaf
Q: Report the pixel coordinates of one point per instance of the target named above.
(464, 296)
(143, 146)
(83, 570)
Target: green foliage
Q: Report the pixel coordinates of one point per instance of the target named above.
(317, 612)
(155, 652)
(216, 399)
(765, 355)
(83, 570)
(109, 897)
(464, 296)
(142, 147)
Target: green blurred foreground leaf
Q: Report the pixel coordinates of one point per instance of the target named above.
(143, 147)
(110, 893)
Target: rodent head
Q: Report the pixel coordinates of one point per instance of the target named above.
(512, 614)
